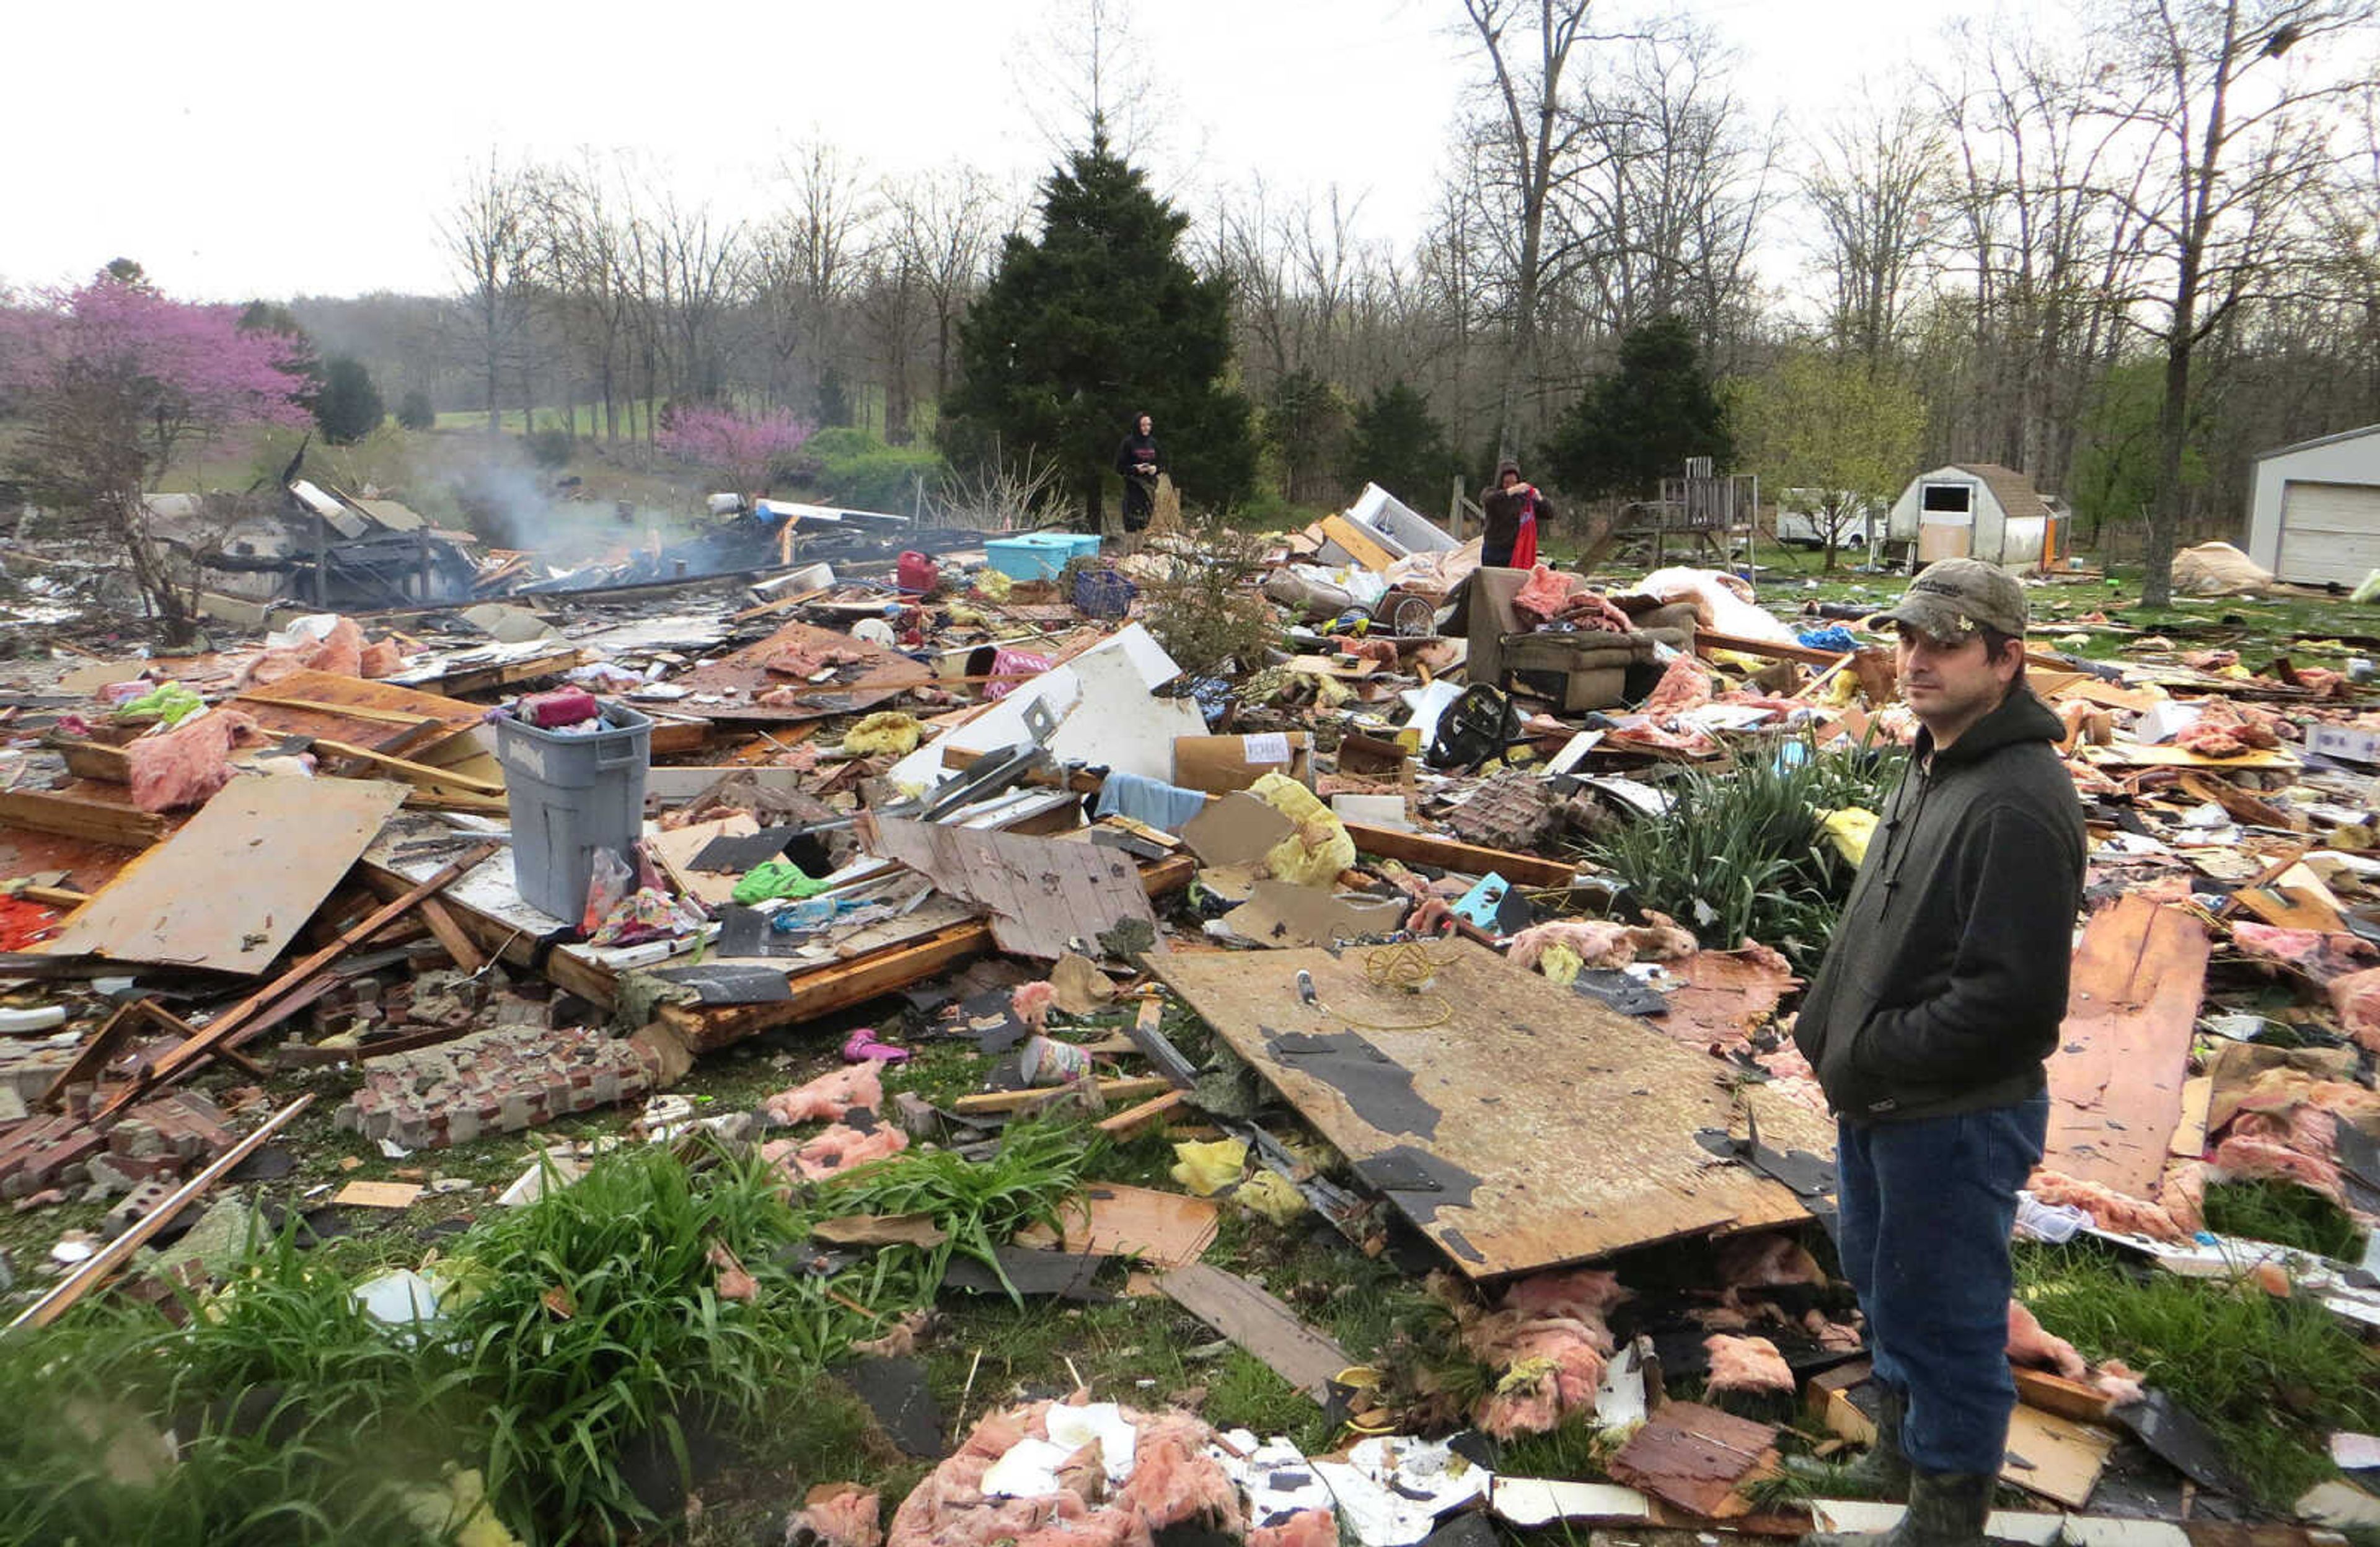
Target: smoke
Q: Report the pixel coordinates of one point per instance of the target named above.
(511, 502)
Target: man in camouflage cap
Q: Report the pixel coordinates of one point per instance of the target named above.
(1928, 1024)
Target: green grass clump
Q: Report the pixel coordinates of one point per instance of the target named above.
(2270, 1377)
(978, 1204)
(2285, 1214)
(1740, 853)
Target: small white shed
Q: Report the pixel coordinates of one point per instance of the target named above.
(1977, 510)
(2315, 513)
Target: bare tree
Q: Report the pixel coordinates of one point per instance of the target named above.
(805, 262)
(1527, 148)
(490, 237)
(945, 225)
(2236, 99)
(1877, 186)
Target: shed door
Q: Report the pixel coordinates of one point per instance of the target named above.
(2329, 532)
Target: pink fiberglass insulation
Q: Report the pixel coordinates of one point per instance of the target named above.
(2320, 957)
(1764, 1261)
(2355, 999)
(1032, 1002)
(1748, 1364)
(2246, 1155)
(1686, 685)
(1173, 1480)
(2181, 1192)
(2028, 1344)
(1307, 1527)
(186, 765)
(2116, 1383)
(1603, 942)
(380, 659)
(829, 1096)
(2108, 1209)
(842, 1515)
(1548, 1344)
(838, 1150)
(340, 653)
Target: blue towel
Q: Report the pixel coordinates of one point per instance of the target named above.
(1833, 636)
(1150, 801)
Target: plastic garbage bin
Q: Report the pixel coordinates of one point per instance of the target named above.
(571, 794)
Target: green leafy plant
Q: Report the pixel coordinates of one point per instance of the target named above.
(1739, 854)
(978, 1204)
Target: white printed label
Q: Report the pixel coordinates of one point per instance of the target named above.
(1271, 746)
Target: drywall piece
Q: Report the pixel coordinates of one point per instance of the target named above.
(1280, 914)
(1102, 701)
(233, 887)
(2029, 1527)
(2054, 1456)
(1239, 828)
(1043, 893)
(1533, 1502)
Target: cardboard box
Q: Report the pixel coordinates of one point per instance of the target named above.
(1219, 764)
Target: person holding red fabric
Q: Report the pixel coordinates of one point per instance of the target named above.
(1513, 510)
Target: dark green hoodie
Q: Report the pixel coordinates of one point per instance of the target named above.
(1946, 983)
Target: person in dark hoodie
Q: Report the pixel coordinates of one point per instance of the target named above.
(1139, 459)
(1512, 509)
(1928, 1024)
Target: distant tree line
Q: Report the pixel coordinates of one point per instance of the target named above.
(2122, 259)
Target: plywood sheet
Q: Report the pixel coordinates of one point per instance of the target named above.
(1577, 1124)
(232, 888)
(2123, 1055)
(1042, 892)
(381, 716)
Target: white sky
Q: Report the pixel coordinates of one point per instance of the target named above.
(273, 148)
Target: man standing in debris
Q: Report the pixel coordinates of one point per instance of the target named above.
(1928, 1023)
(1139, 460)
(1512, 509)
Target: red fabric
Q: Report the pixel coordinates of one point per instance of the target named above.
(1524, 546)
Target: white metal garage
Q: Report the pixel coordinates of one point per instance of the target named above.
(2314, 516)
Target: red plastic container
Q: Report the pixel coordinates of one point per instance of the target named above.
(564, 706)
(916, 572)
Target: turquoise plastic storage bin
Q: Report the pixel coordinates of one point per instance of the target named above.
(1039, 555)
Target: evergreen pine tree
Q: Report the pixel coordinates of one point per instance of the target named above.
(1638, 424)
(348, 407)
(1097, 321)
(1395, 444)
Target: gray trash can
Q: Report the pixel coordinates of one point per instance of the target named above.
(570, 796)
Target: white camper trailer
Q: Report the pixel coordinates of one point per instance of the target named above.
(1977, 510)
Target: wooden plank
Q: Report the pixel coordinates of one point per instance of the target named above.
(1044, 893)
(451, 935)
(1259, 1323)
(95, 1268)
(413, 773)
(1129, 1123)
(71, 815)
(378, 1195)
(233, 887)
(2116, 1079)
(1578, 1123)
(2078, 1400)
(1426, 848)
(381, 715)
(2189, 1140)
(736, 678)
(1696, 1458)
(1363, 550)
(995, 1101)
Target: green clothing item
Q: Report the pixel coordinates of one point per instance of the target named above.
(777, 878)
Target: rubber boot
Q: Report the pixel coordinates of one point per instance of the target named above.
(1883, 1472)
(1946, 1509)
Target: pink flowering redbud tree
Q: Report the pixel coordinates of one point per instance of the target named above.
(114, 384)
(730, 445)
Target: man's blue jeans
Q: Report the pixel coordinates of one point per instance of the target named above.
(1927, 1208)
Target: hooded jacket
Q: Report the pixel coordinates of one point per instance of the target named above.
(1946, 983)
(1502, 515)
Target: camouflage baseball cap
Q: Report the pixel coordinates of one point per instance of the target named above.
(1954, 597)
